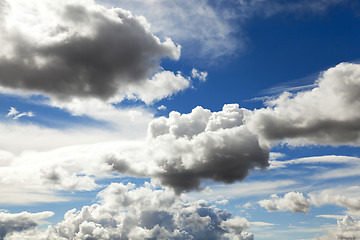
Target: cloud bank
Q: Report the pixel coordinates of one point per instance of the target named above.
(126, 212)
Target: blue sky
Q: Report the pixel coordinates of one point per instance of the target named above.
(125, 119)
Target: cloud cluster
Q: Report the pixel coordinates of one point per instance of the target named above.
(183, 149)
(327, 114)
(126, 212)
(82, 50)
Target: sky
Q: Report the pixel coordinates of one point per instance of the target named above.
(154, 119)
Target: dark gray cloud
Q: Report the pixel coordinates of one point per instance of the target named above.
(78, 50)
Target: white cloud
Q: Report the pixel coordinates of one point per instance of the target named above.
(325, 115)
(199, 75)
(162, 107)
(332, 159)
(347, 228)
(293, 201)
(162, 85)
(16, 115)
(12, 112)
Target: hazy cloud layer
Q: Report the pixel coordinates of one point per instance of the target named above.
(214, 28)
(81, 49)
(126, 212)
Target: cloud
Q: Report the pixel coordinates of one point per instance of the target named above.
(214, 29)
(186, 148)
(326, 115)
(11, 223)
(162, 107)
(161, 85)
(296, 202)
(199, 75)
(344, 197)
(347, 228)
(293, 201)
(147, 212)
(82, 50)
(205, 29)
(16, 115)
(331, 159)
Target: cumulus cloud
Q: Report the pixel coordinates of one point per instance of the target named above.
(82, 50)
(327, 114)
(187, 148)
(12, 223)
(347, 228)
(126, 212)
(293, 201)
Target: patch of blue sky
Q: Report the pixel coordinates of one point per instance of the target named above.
(44, 115)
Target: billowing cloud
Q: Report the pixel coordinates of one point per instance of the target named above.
(126, 212)
(75, 50)
(293, 201)
(19, 222)
(327, 114)
(186, 148)
(347, 228)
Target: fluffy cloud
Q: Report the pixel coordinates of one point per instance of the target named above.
(68, 50)
(126, 212)
(347, 228)
(296, 202)
(327, 114)
(12, 223)
(186, 148)
(293, 201)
